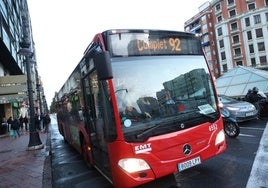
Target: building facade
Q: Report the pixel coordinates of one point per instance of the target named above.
(15, 27)
(202, 24)
(240, 31)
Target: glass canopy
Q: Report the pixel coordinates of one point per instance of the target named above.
(238, 81)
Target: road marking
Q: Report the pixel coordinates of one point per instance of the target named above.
(246, 135)
(252, 128)
(259, 172)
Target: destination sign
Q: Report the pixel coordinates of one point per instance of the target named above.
(147, 43)
(173, 44)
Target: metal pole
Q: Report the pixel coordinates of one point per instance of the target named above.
(38, 91)
(34, 141)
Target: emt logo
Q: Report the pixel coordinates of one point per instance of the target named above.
(143, 148)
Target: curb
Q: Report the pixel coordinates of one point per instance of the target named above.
(259, 170)
(47, 172)
(4, 135)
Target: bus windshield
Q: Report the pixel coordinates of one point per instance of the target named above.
(160, 94)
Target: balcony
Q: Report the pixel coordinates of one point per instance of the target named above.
(218, 12)
(236, 44)
(234, 31)
(238, 56)
(231, 6)
(196, 28)
(204, 44)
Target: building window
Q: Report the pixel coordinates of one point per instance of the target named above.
(219, 31)
(204, 19)
(261, 46)
(219, 18)
(247, 21)
(266, 15)
(239, 63)
(204, 28)
(259, 33)
(230, 2)
(6, 38)
(234, 26)
(221, 43)
(257, 19)
(224, 68)
(236, 39)
(253, 62)
(232, 13)
(249, 35)
(237, 51)
(251, 6)
(263, 60)
(218, 7)
(208, 55)
(3, 9)
(251, 48)
(223, 56)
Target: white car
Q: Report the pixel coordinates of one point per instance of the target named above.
(239, 110)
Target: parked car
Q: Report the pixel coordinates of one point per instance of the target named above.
(239, 110)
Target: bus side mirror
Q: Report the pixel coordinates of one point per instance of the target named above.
(103, 65)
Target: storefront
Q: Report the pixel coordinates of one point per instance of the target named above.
(13, 95)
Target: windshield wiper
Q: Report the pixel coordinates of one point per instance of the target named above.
(151, 129)
(211, 117)
(166, 121)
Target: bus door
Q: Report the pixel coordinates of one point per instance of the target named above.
(95, 123)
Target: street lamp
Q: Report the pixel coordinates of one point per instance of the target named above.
(38, 89)
(34, 141)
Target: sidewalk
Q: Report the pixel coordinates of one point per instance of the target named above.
(20, 167)
(259, 171)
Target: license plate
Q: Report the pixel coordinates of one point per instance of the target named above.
(249, 114)
(188, 164)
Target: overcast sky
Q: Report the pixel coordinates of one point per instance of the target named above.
(62, 29)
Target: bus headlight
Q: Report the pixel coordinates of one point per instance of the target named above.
(133, 164)
(220, 137)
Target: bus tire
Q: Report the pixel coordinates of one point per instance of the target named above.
(84, 152)
(62, 133)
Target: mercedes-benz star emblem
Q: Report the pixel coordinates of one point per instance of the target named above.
(186, 149)
(182, 125)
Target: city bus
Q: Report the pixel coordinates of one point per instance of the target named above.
(141, 105)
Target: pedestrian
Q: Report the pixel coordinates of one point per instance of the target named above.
(9, 120)
(253, 96)
(46, 122)
(4, 126)
(42, 126)
(15, 126)
(37, 122)
(21, 123)
(255, 99)
(26, 121)
(247, 97)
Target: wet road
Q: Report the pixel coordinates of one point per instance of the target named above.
(68, 168)
(231, 169)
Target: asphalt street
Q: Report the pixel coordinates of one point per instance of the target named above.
(244, 164)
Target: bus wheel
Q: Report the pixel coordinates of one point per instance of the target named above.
(84, 152)
(61, 130)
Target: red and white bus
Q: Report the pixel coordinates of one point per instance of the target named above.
(140, 105)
